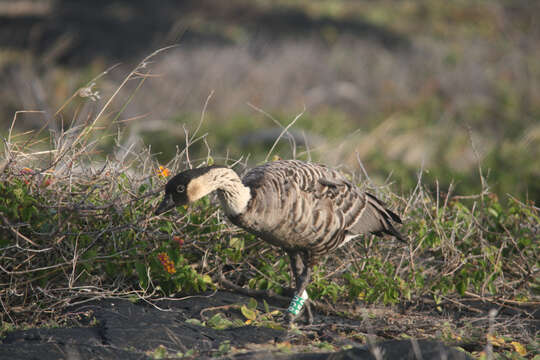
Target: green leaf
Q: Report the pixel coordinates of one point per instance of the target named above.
(166, 227)
(237, 243)
(238, 322)
(248, 313)
(142, 188)
(461, 287)
(143, 275)
(219, 322)
(18, 194)
(493, 212)
(207, 279)
(252, 304)
(194, 322)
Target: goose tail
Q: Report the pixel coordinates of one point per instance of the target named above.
(386, 217)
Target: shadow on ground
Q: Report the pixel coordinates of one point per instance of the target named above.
(121, 329)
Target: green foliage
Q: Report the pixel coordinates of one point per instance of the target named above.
(249, 313)
(258, 318)
(272, 274)
(321, 287)
(374, 283)
(18, 202)
(76, 234)
(220, 322)
(180, 277)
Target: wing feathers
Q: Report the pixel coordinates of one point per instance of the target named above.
(394, 217)
(299, 205)
(377, 219)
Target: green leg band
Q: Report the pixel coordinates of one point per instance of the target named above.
(297, 303)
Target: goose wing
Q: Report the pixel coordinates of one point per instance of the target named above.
(362, 212)
(305, 206)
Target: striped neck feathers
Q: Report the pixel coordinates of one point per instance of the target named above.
(233, 194)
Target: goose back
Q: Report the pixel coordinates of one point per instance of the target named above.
(310, 208)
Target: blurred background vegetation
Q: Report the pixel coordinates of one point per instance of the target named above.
(447, 89)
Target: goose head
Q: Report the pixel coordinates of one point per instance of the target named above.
(188, 186)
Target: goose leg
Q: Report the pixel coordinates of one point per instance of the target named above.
(302, 275)
(297, 267)
(303, 282)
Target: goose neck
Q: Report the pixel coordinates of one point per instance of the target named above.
(233, 194)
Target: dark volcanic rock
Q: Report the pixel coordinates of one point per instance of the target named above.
(404, 349)
(54, 351)
(388, 350)
(125, 330)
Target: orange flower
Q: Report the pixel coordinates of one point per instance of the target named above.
(177, 239)
(24, 172)
(46, 181)
(163, 171)
(168, 264)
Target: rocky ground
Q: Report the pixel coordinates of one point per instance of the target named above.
(114, 328)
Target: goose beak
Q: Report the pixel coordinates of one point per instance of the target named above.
(166, 204)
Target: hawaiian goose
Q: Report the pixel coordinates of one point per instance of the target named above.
(304, 208)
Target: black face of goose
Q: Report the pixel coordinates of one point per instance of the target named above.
(183, 189)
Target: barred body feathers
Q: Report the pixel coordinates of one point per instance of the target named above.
(307, 207)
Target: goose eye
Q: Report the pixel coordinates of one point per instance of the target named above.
(180, 188)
